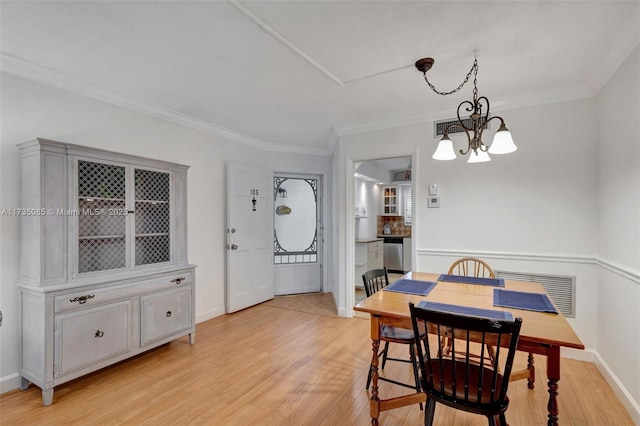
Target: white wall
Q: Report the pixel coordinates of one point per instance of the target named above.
(31, 110)
(618, 207)
(542, 209)
(367, 195)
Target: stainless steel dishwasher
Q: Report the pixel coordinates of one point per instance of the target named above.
(393, 254)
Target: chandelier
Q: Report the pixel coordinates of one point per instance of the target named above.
(474, 126)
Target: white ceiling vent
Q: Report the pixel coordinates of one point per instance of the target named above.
(439, 126)
(561, 289)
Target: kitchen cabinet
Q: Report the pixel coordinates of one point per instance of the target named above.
(390, 200)
(369, 255)
(103, 260)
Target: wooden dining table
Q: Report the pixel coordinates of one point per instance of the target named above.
(542, 333)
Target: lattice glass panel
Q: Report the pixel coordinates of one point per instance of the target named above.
(152, 249)
(152, 217)
(151, 185)
(101, 254)
(100, 218)
(100, 180)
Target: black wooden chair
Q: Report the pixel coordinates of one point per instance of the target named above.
(474, 267)
(457, 381)
(374, 281)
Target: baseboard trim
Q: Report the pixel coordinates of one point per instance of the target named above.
(618, 388)
(215, 312)
(9, 383)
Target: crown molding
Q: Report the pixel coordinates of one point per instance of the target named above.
(37, 73)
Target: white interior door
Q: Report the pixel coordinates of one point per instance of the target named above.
(249, 236)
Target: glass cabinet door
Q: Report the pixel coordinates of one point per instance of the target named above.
(152, 217)
(390, 201)
(124, 216)
(102, 224)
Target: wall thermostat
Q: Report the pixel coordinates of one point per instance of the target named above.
(433, 202)
(433, 189)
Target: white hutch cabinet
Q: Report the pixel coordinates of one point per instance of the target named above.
(103, 260)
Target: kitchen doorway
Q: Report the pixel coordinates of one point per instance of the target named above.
(383, 210)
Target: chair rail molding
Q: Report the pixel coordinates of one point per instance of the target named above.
(624, 272)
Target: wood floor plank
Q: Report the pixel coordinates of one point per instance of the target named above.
(272, 366)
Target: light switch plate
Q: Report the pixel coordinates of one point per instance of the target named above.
(433, 202)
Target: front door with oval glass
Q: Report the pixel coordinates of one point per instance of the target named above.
(297, 234)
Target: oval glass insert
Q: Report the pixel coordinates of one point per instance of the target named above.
(295, 230)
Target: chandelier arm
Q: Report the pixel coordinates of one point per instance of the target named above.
(457, 89)
(460, 124)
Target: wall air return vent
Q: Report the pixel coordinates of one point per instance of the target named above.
(561, 289)
(439, 126)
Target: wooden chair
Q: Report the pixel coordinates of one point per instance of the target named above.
(374, 281)
(474, 267)
(471, 267)
(456, 381)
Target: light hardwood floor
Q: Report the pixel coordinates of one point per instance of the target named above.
(271, 366)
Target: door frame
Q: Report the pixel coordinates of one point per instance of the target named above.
(325, 214)
(347, 282)
(320, 220)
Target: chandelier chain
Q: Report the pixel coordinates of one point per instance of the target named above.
(474, 67)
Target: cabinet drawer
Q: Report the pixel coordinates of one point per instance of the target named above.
(164, 314)
(91, 296)
(91, 335)
(375, 246)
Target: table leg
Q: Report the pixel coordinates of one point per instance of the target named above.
(532, 372)
(375, 400)
(553, 374)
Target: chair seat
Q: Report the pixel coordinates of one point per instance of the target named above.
(441, 390)
(396, 334)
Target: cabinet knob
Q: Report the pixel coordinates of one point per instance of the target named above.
(168, 314)
(233, 247)
(99, 334)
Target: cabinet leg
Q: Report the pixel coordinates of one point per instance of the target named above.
(24, 383)
(47, 397)
(192, 337)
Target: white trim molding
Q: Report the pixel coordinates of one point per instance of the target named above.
(37, 73)
(533, 257)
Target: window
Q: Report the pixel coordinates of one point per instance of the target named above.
(405, 190)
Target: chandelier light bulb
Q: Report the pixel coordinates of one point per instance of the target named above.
(444, 151)
(502, 142)
(478, 156)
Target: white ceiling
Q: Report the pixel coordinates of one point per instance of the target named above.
(290, 74)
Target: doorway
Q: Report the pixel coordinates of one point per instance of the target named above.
(383, 204)
(297, 233)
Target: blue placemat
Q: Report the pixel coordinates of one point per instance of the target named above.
(523, 300)
(466, 310)
(404, 285)
(495, 282)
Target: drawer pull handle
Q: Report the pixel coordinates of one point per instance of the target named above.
(82, 299)
(99, 334)
(178, 280)
(168, 314)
